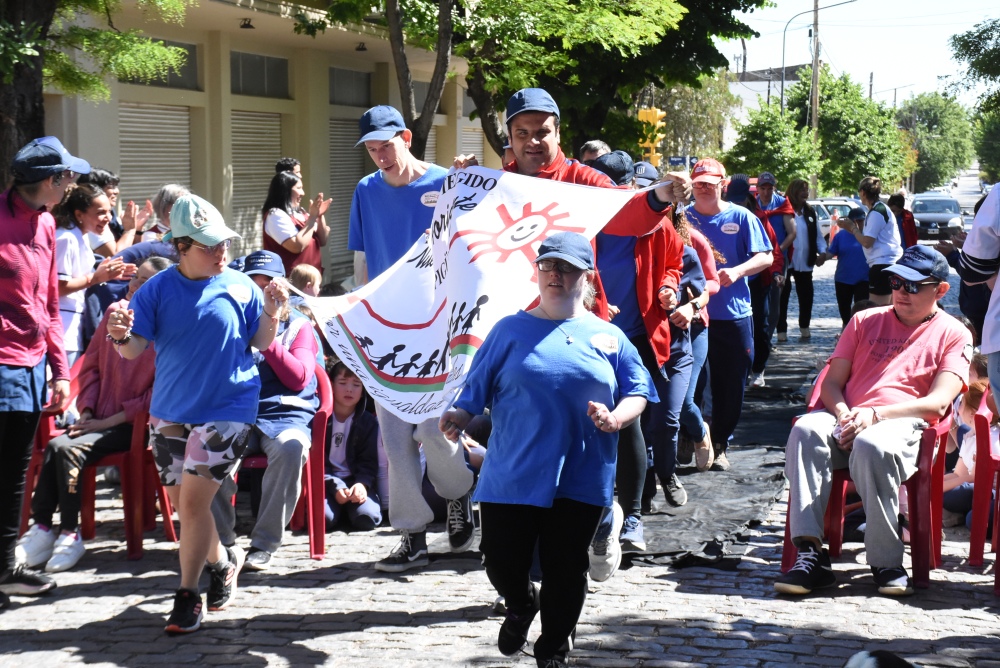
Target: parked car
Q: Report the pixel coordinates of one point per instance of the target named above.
(839, 207)
(823, 216)
(937, 216)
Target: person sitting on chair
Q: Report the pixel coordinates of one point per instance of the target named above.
(895, 369)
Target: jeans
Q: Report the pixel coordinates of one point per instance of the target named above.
(847, 294)
(959, 500)
(804, 293)
(17, 432)
(362, 516)
(664, 417)
(760, 303)
(563, 533)
(730, 352)
(690, 417)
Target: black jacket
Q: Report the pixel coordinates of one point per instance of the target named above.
(362, 448)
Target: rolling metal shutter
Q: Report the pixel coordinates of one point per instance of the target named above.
(430, 152)
(256, 147)
(155, 144)
(348, 165)
(472, 142)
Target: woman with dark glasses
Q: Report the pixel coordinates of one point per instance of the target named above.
(561, 383)
(204, 318)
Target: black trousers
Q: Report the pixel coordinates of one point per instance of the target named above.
(563, 533)
(848, 294)
(17, 431)
(804, 293)
(59, 480)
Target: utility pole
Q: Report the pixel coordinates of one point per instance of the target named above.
(770, 75)
(871, 84)
(814, 180)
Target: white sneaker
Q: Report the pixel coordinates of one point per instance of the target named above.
(34, 548)
(782, 337)
(66, 553)
(606, 551)
(757, 380)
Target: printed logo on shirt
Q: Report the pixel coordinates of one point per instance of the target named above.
(240, 293)
(429, 198)
(967, 352)
(605, 343)
(731, 228)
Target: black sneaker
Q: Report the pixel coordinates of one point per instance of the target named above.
(257, 560)
(685, 450)
(461, 525)
(22, 581)
(721, 463)
(892, 581)
(4, 601)
(557, 661)
(410, 553)
(187, 613)
(812, 570)
(222, 579)
(514, 631)
(674, 492)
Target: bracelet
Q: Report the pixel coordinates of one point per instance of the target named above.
(122, 342)
(876, 417)
(272, 317)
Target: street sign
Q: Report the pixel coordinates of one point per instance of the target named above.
(678, 160)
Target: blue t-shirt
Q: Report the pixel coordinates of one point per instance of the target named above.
(205, 369)
(616, 262)
(543, 445)
(852, 267)
(777, 220)
(738, 235)
(386, 220)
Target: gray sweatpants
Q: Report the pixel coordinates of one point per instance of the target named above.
(280, 489)
(446, 469)
(883, 456)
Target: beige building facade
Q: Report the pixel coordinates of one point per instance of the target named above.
(248, 96)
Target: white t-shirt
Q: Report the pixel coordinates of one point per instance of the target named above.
(800, 249)
(338, 446)
(983, 244)
(74, 258)
(888, 247)
(280, 226)
(97, 240)
(968, 450)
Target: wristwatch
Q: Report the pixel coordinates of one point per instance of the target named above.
(696, 306)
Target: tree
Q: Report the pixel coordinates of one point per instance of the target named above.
(942, 132)
(72, 45)
(770, 142)
(858, 137)
(979, 49)
(696, 115)
(987, 139)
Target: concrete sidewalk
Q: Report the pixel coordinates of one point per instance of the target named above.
(341, 612)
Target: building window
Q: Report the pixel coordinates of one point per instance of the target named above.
(350, 88)
(257, 75)
(420, 90)
(186, 78)
(468, 106)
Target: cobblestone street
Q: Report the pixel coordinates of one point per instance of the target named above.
(341, 612)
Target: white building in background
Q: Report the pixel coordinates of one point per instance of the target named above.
(755, 88)
(248, 96)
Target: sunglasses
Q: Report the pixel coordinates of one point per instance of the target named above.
(912, 287)
(213, 250)
(553, 265)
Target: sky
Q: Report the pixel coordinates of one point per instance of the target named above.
(903, 42)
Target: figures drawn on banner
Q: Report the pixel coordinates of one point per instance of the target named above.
(389, 358)
(406, 367)
(474, 314)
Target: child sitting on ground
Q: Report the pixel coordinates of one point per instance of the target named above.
(958, 485)
(351, 455)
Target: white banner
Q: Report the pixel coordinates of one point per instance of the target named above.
(411, 333)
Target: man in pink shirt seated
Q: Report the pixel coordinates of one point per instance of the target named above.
(895, 368)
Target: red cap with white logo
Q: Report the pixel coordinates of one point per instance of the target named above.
(708, 170)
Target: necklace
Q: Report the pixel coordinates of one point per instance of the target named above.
(569, 335)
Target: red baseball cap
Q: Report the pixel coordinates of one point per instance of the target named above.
(708, 170)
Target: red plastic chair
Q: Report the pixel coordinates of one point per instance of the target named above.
(987, 465)
(924, 490)
(309, 511)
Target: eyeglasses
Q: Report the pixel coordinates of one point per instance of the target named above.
(561, 267)
(912, 287)
(213, 250)
(704, 185)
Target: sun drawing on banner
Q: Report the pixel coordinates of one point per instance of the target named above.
(519, 234)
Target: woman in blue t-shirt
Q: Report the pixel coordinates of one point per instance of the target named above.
(851, 278)
(561, 383)
(204, 319)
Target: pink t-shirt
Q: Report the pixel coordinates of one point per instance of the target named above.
(891, 362)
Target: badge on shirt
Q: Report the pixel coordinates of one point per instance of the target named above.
(731, 228)
(967, 352)
(605, 343)
(430, 198)
(240, 293)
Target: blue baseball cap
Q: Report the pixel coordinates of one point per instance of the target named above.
(645, 174)
(766, 178)
(45, 157)
(531, 99)
(380, 123)
(194, 217)
(569, 246)
(920, 262)
(618, 165)
(264, 262)
(738, 189)
(857, 214)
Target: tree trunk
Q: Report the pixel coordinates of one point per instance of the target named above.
(488, 116)
(420, 126)
(22, 110)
